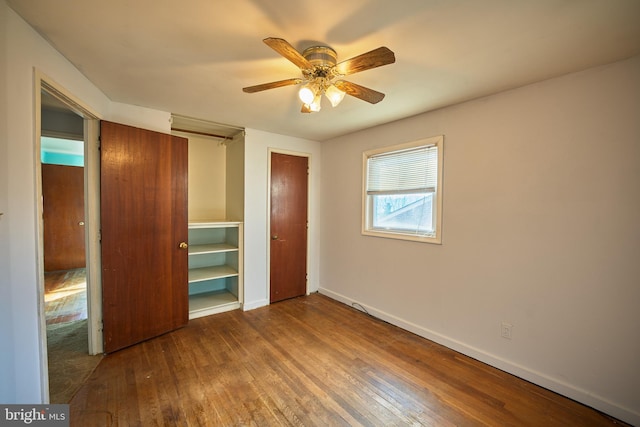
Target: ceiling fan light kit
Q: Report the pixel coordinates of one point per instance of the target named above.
(334, 95)
(322, 74)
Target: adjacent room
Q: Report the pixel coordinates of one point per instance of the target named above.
(322, 213)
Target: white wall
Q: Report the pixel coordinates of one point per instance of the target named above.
(7, 376)
(540, 229)
(22, 50)
(256, 214)
(133, 115)
(207, 179)
(235, 179)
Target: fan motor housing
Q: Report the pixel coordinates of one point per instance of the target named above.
(320, 56)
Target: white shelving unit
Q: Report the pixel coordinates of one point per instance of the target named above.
(215, 267)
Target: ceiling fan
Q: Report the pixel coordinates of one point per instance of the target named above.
(322, 74)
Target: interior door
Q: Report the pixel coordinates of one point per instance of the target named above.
(144, 221)
(63, 217)
(289, 199)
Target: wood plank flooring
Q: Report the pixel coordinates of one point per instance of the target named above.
(65, 296)
(309, 361)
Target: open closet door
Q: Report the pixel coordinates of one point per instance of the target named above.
(144, 233)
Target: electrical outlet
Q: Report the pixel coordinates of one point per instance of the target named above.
(505, 330)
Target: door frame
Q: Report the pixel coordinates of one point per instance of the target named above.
(92, 218)
(271, 150)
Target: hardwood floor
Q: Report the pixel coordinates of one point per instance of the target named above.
(65, 296)
(309, 361)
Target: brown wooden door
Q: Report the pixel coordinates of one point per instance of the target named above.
(143, 221)
(63, 217)
(289, 196)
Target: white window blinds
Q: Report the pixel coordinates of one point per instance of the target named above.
(414, 170)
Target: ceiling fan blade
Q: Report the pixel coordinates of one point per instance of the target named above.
(372, 59)
(285, 49)
(272, 85)
(360, 92)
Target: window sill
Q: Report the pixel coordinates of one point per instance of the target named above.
(402, 236)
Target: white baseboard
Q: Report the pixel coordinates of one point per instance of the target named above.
(583, 396)
(246, 306)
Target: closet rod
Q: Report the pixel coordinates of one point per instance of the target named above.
(201, 133)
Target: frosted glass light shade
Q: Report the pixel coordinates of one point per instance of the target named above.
(334, 95)
(306, 94)
(315, 105)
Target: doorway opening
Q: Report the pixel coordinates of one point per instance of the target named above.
(62, 171)
(68, 280)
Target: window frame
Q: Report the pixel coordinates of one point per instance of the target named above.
(367, 204)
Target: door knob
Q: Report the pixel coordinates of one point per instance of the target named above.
(81, 223)
(274, 237)
(183, 245)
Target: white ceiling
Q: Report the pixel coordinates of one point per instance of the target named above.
(193, 57)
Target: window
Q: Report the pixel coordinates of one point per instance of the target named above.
(402, 194)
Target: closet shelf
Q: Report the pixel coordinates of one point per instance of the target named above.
(208, 303)
(210, 273)
(211, 248)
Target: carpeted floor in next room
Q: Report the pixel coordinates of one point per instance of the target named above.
(69, 363)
